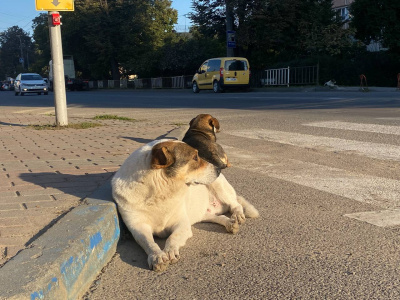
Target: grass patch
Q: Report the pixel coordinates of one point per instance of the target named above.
(113, 117)
(83, 125)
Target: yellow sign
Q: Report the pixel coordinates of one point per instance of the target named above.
(55, 5)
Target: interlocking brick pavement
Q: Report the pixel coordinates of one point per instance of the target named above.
(45, 173)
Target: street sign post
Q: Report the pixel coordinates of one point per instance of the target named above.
(55, 5)
(54, 20)
(60, 97)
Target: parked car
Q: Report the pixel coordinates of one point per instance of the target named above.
(30, 83)
(221, 73)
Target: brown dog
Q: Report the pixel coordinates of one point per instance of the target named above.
(201, 136)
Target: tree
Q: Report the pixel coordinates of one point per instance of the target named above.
(268, 29)
(41, 44)
(13, 41)
(377, 20)
(109, 37)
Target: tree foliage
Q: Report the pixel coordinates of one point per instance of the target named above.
(377, 20)
(112, 38)
(267, 30)
(12, 41)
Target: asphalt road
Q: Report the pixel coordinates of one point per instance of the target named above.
(323, 168)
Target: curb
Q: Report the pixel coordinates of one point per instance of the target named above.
(64, 261)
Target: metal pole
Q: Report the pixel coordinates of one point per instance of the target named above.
(22, 54)
(229, 26)
(60, 100)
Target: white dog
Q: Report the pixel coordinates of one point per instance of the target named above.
(163, 188)
(331, 84)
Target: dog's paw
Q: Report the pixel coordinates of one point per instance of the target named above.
(232, 225)
(238, 216)
(173, 254)
(158, 261)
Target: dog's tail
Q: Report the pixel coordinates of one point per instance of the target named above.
(249, 210)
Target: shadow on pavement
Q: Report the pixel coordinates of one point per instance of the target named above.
(12, 124)
(77, 185)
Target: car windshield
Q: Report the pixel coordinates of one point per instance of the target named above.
(235, 65)
(31, 77)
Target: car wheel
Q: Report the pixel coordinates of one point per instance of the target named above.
(216, 87)
(15, 93)
(46, 93)
(195, 87)
(39, 94)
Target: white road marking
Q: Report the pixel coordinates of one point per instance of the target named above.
(48, 112)
(378, 191)
(394, 118)
(27, 111)
(381, 218)
(44, 110)
(357, 127)
(373, 150)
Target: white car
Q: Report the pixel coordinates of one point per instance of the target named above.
(30, 83)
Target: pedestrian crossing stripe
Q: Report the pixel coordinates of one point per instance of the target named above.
(375, 128)
(381, 192)
(378, 191)
(372, 150)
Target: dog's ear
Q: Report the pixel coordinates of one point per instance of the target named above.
(214, 124)
(161, 158)
(191, 122)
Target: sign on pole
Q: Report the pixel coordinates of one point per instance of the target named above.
(231, 38)
(55, 5)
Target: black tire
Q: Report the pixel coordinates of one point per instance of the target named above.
(46, 93)
(216, 87)
(195, 87)
(39, 94)
(21, 93)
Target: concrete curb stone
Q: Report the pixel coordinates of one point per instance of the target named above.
(63, 262)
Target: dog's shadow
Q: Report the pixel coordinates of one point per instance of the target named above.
(131, 253)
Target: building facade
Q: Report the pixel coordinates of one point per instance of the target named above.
(342, 7)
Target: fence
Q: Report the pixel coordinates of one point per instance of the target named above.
(273, 77)
(308, 75)
(177, 82)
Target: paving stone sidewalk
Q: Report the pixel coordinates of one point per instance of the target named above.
(45, 173)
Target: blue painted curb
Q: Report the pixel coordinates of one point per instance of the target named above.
(64, 261)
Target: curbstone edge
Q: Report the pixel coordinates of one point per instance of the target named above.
(63, 262)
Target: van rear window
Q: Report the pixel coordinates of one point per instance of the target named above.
(236, 65)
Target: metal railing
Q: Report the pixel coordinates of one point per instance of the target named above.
(308, 75)
(176, 82)
(272, 77)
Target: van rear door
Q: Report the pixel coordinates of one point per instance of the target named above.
(236, 72)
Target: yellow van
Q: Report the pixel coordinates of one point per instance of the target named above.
(221, 73)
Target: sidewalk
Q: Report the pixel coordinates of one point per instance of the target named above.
(47, 173)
